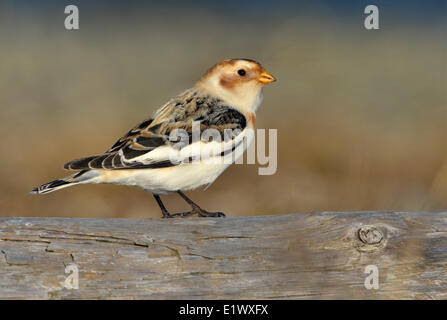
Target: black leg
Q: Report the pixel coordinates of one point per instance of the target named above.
(190, 202)
(196, 209)
(164, 211)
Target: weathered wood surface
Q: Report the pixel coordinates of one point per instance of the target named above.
(309, 255)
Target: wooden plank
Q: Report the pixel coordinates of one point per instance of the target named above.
(309, 255)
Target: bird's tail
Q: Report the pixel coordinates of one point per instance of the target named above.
(72, 180)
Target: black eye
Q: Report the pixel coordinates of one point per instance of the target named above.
(241, 72)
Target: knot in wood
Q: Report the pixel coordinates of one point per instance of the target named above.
(370, 235)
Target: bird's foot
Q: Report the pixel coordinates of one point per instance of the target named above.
(203, 213)
(212, 214)
(179, 215)
(182, 214)
(167, 216)
(196, 211)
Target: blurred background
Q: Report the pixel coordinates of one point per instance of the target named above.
(361, 114)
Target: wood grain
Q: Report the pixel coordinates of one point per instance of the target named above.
(294, 256)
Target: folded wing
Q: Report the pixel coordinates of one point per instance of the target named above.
(151, 143)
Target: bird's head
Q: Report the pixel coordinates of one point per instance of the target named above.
(237, 81)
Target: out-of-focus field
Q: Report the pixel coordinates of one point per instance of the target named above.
(361, 115)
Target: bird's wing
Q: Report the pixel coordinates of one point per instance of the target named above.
(160, 141)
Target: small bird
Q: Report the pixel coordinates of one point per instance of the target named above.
(163, 154)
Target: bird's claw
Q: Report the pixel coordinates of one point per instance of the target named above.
(183, 214)
(212, 214)
(200, 213)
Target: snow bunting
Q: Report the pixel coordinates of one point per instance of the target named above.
(156, 157)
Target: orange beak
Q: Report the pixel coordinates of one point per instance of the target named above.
(266, 78)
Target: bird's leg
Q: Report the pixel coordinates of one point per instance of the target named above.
(164, 211)
(196, 209)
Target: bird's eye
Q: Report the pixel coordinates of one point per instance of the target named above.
(241, 72)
